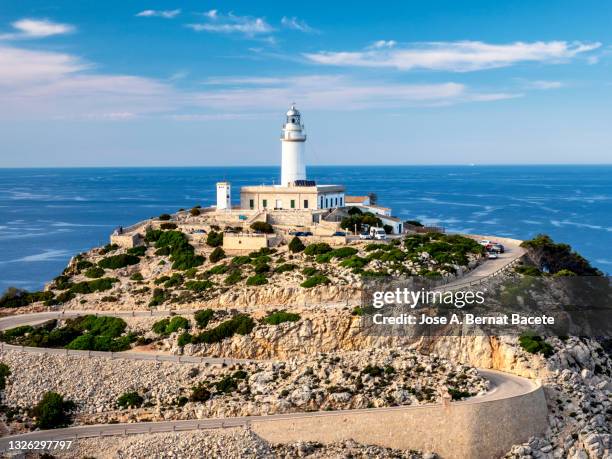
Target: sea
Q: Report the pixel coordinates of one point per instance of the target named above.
(49, 215)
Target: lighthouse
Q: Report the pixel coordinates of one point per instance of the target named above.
(293, 142)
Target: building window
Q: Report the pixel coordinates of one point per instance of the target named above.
(293, 204)
(321, 202)
(252, 203)
(341, 205)
(305, 203)
(265, 203)
(336, 202)
(326, 203)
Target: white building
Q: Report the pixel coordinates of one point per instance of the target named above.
(224, 195)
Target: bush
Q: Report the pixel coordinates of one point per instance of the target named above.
(130, 400)
(165, 327)
(343, 252)
(553, 257)
(168, 226)
(159, 297)
(194, 212)
(181, 252)
(285, 267)
(216, 255)
(198, 285)
(96, 285)
(227, 385)
(233, 278)
(457, 394)
(324, 257)
(317, 279)
(203, 317)
(152, 235)
(214, 239)
(278, 317)
(354, 262)
(199, 394)
(535, 345)
(136, 277)
(296, 245)
(309, 271)
(241, 324)
(83, 264)
(164, 217)
(261, 268)
(139, 251)
(118, 261)
(4, 373)
(388, 229)
(52, 411)
(14, 297)
(317, 248)
(94, 272)
(257, 279)
(262, 227)
(241, 260)
(527, 270)
(184, 339)
(219, 269)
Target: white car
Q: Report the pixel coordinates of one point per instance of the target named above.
(365, 236)
(484, 242)
(492, 256)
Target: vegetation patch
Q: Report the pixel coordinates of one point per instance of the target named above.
(296, 245)
(279, 317)
(318, 248)
(118, 261)
(52, 411)
(92, 286)
(199, 285)
(130, 400)
(535, 345)
(165, 327)
(242, 324)
(257, 279)
(203, 317)
(317, 279)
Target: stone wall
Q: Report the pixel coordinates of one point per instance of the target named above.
(457, 431)
(239, 243)
(127, 241)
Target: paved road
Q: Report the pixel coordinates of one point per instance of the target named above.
(502, 385)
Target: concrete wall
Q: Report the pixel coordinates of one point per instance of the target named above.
(127, 241)
(244, 242)
(458, 431)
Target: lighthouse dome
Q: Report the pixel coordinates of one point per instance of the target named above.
(293, 111)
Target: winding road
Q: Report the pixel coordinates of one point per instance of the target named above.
(501, 385)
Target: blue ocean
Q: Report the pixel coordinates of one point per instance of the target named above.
(48, 215)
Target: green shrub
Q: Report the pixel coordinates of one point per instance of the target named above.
(227, 385)
(152, 235)
(137, 277)
(203, 317)
(198, 285)
(219, 269)
(4, 373)
(457, 394)
(324, 258)
(261, 268)
(216, 255)
(14, 297)
(108, 248)
(164, 217)
(52, 411)
(358, 220)
(262, 227)
(373, 370)
(199, 393)
(194, 212)
(535, 344)
(354, 262)
(83, 264)
(168, 226)
(241, 324)
(96, 285)
(130, 400)
(165, 327)
(257, 279)
(159, 297)
(309, 271)
(174, 281)
(241, 260)
(317, 248)
(343, 252)
(285, 267)
(118, 261)
(139, 251)
(296, 245)
(94, 272)
(214, 239)
(233, 278)
(317, 279)
(278, 317)
(184, 339)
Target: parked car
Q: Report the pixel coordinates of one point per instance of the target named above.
(365, 236)
(492, 256)
(199, 231)
(484, 242)
(339, 233)
(499, 248)
(378, 233)
(300, 233)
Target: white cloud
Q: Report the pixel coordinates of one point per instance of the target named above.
(232, 24)
(463, 56)
(36, 28)
(166, 14)
(296, 24)
(52, 85)
(543, 84)
(383, 44)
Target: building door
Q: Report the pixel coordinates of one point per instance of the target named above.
(279, 204)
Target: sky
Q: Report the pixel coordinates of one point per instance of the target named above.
(200, 83)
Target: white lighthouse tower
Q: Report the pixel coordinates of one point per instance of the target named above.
(293, 144)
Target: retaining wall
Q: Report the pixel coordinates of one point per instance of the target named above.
(457, 431)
